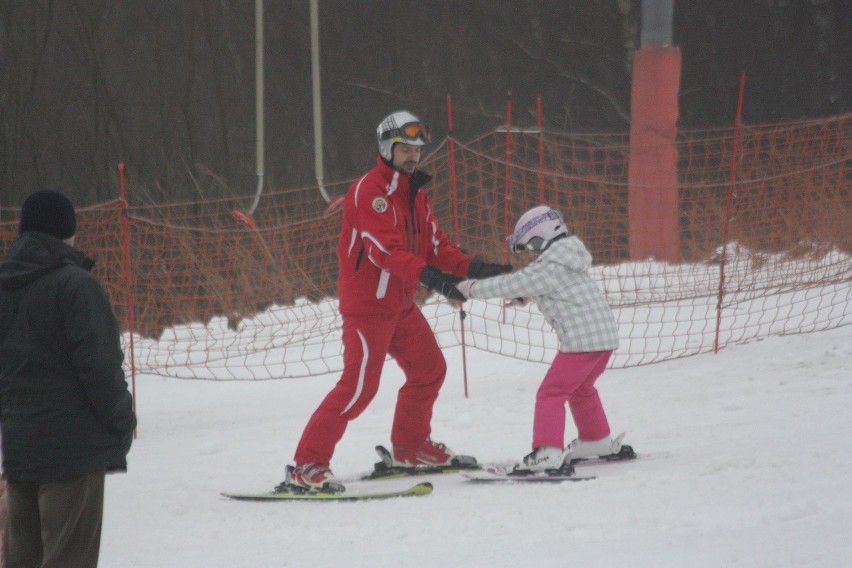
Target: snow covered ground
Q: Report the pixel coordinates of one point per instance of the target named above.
(744, 461)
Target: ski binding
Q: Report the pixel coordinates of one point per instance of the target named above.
(386, 469)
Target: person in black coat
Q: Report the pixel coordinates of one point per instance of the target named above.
(66, 414)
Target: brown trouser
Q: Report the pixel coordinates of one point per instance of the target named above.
(55, 524)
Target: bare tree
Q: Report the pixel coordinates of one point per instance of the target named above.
(168, 87)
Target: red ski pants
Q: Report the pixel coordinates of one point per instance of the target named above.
(367, 341)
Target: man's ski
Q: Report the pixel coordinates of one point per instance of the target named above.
(419, 490)
(386, 469)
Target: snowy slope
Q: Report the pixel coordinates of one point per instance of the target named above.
(746, 462)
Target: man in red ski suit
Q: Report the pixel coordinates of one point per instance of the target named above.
(390, 243)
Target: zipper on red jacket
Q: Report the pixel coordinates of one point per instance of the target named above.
(414, 231)
(359, 257)
(409, 236)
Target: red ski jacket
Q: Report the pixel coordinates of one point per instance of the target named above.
(388, 235)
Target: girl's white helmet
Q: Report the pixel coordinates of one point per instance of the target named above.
(400, 126)
(536, 229)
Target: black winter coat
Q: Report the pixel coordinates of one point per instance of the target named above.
(65, 410)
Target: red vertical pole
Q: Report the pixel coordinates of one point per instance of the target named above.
(507, 189)
(540, 124)
(507, 181)
(454, 195)
(728, 210)
(128, 279)
(454, 199)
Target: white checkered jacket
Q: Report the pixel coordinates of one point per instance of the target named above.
(558, 281)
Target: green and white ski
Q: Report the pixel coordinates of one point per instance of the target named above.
(418, 490)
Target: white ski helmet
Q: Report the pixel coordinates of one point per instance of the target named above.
(536, 229)
(400, 126)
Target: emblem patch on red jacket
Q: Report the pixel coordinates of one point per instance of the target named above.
(380, 204)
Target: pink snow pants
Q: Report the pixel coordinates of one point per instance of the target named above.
(571, 378)
(367, 340)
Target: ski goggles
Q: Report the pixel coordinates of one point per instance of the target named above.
(410, 131)
(535, 244)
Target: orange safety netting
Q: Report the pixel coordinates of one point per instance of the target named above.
(214, 298)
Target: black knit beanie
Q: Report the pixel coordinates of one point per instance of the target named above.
(48, 211)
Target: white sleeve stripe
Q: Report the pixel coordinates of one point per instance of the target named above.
(358, 188)
(374, 240)
(382, 289)
(394, 183)
(353, 239)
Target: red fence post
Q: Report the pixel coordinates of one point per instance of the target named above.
(127, 273)
(540, 124)
(451, 149)
(507, 184)
(454, 200)
(728, 209)
(507, 179)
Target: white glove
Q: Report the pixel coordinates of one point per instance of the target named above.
(517, 302)
(464, 287)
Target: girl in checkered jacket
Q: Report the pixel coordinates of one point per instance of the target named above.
(558, 281)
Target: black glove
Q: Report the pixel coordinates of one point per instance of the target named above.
(442, 283)
(480, 269)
